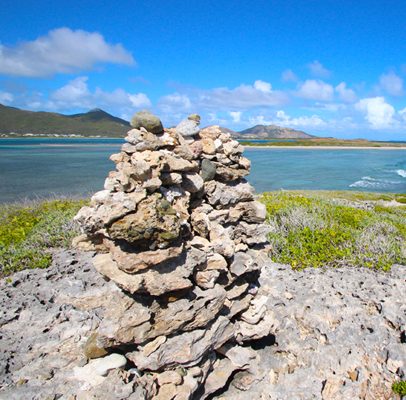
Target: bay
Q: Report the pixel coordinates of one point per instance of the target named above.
(42, 167)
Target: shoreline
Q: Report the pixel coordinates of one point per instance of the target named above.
(327, 147)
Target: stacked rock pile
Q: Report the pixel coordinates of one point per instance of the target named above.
(178, 230)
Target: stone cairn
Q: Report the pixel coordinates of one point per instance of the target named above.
(179, 232)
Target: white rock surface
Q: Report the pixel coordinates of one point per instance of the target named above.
(341, 334)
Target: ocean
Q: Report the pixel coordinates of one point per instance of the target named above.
(32, 168)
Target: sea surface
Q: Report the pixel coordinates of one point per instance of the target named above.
(32, 168)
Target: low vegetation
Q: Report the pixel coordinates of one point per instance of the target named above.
(315, 229)
(309, 229)
(399, 388)
(29, 231)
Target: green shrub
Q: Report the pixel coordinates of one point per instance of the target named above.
(314, 230)
(399, 388)
(27, 232)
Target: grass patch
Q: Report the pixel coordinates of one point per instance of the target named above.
(313, 229)
(309, 229)
(28, 231)
(399, 388)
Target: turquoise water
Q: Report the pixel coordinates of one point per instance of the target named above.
(32, 168)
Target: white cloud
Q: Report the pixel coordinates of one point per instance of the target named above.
(315, 90)
(139, 100)
(76, 94)
(402, 114)
(175, 103)
(263, 86)
(391, 84)
(317, 69)
(330, 107)
(243, 97)
(302, 121)
(346, 94)
(283, 119)
(289, 76)
(236, 116)
(377, 112)
(6, 98)
(215, 119)
(61, 51)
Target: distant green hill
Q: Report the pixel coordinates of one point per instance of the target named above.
(93, 123)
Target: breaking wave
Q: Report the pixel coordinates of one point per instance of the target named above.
(369, 182)
(401, 172)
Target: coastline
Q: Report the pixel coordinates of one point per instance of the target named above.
(248, 146)
(327, 147)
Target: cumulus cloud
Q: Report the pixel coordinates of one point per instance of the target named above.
(377, 112)
(345, 94)
(76, 94)
(263, 86)
(402, 114)
(302, 121)
(391, 84)
(283, 119)
(289, 76)
(315, 90)
(317, 69)
(139, 100)
(6, 98)
(61, 51)
(236, 116)
(175, 103)
(242, 97)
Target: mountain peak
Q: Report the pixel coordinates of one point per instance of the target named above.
(97, 114)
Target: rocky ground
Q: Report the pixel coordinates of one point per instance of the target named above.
(340, 334)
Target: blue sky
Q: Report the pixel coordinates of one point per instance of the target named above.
(331, 68)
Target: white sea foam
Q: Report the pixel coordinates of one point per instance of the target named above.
(369, 182)
(401, 172)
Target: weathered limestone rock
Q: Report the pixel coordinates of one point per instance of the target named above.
(189, 126)
(108, 207)
(226, 174)
(222, 370)
(179, 232)
(154, 224)
(192, 182)
(206, 279)
(220, 194)
(340, 334)
(168, 277)
(133, 262)
(252, 211)
(95, 371)
(186, 349)
(212, 132)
